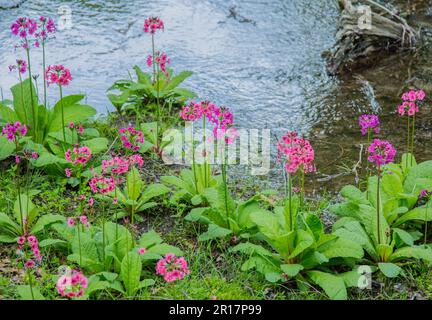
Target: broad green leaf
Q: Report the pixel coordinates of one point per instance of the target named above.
(29, 293)
(291, 270)
(131, 267)
(423, 213)
(72, 113)
(390, 270)
(333, 286)
(214, 232)
(7, 148)
(405, 253)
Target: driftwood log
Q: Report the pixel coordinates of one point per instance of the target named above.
(365, 31)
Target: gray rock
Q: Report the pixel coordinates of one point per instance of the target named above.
(9, 4)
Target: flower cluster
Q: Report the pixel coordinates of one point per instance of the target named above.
(72, 285)
(152, 24)
(33, 244)
(161, 59)
(20, 65)
(102, 184)
(47, 27)
(381, 152)
(24, 28)
(369, 122)
(298, 153)
(172, 268)
(131, 138)
(78, 155)
(14, 130)
(58, 74)
(410, 103)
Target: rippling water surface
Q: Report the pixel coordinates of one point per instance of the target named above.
(269, 69)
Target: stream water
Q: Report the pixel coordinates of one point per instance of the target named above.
(265, 63)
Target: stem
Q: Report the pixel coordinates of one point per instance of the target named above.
(193, 159)
(224, 177)
(44, 66)
(205, 153)
(62, 114)
(34, 112)
(378, 206)
(103, 232)
(30, 284)
(18, 182)
(153, 58)
(290, 200)
(22, 98)
(302, 192)
(79, 236)
(408, 140)
(426, 223)
(412, 139)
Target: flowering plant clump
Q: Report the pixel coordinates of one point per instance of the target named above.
(72, 284)
(20, 65)
(78, 155)
(381, 152)
(369, 122)
(172, 268)
(13, 131)
(131, 138)
(152, 24)
(58, 74)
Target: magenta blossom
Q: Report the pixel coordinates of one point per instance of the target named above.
(131, 138)
(172, 268)
(58, 74)
(152, 24)
(25, 28)
(32, 243)
(369, 122)
(381, 152)
(20, 65)
(13, 131)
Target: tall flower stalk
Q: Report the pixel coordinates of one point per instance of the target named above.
(21, 67)
(47, 28)
(410, 107)
(26, 28)
(151, 25)
(298, 155)
(426, 196)
(381, 152)
(13, 132)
